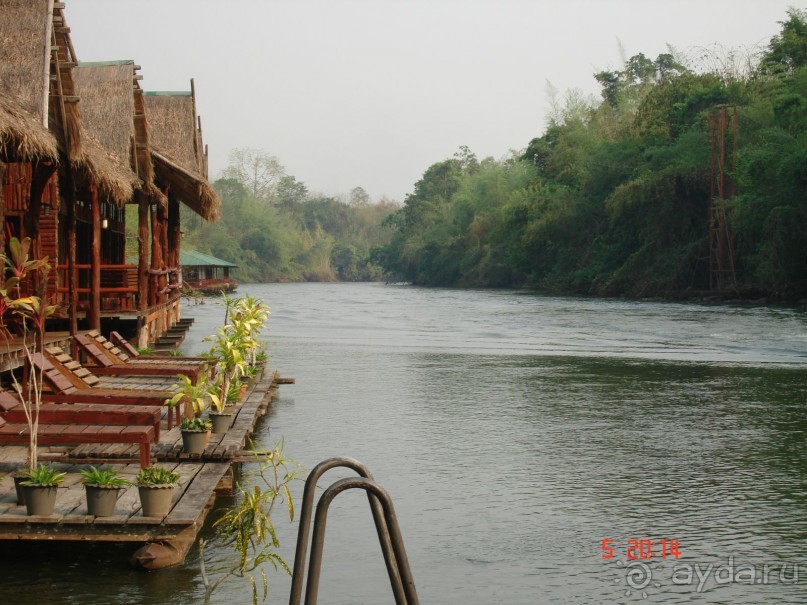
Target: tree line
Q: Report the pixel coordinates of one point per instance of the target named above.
(274, 229)
(614, 197)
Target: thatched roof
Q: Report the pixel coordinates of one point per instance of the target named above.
(37, 62)
(22, 137)
(24, 53)
(194, 191)
(107, 111)
(23, 81)
(177, 150)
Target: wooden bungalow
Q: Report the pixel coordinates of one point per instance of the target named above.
(180, 168)
(206, 273)
(41, 127)
(74, 150)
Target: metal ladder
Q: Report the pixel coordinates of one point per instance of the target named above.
(386, 523)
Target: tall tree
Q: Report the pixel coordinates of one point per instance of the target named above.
(259, 171)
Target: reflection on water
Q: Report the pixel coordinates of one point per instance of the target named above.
(517, 432)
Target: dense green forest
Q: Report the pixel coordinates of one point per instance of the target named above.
(614, 197)
(275, 230)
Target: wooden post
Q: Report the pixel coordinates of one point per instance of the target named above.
(94, 310)
(72, 271)
(166, 250)
(142, 252)
(40, 176)
(173, 248)
(155, 257)
(2, 219)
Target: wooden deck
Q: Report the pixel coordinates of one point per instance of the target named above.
(71, 522)
(10, 351)
(200, 477)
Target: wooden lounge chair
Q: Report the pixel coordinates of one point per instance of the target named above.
(118, 345)
(11, 408)
(78, 434)
(105, 363)
(67, 381)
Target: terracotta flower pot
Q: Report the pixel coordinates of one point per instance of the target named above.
(155, 500)
(194, 442)
(40, 499)
(18, 479)
(101, 500)
(221, 421)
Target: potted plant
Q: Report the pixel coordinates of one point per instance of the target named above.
(236, 393)
(28, 314)
(250, 316)
(40, 486)
(228, 353)
(194, 396)
(155, 485)
(102, 486)
(220, 414)
(195, 433)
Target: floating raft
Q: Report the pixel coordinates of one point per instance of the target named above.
(201, 476)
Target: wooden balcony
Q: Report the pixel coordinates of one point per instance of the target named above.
(119, 287)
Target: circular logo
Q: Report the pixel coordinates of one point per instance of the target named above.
(638, 575)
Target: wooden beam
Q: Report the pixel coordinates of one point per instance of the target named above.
(2, 217)
(94, 311)
(156, 256)
(142, 251)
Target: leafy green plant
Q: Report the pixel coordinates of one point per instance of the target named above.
(249, 527)
(198, 395)
(28, 314)
(234, 393)
(103, 477)
(43, 475)
(196, 424)
(156, 475)
(229, 346)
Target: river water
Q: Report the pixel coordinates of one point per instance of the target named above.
(515, 434)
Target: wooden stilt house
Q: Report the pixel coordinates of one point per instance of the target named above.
(205, 273)
(36, 82)
(180, 167)
(75, 150)
(148, 292)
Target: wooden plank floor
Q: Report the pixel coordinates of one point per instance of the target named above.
(70, 520)
(199, 477)
(10, 351)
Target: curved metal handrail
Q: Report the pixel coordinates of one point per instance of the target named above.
(396, 540)
(383, 516)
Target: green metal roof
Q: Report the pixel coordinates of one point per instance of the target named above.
(105, 63)
(167, 93)
(192, 258)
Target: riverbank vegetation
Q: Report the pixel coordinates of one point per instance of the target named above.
(274, 229)
(614, 197)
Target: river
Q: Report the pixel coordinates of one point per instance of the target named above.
(530, 445)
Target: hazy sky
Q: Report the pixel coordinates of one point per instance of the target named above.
(370, 93)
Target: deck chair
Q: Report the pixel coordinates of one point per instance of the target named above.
(79, 434)
(67, 381)
(123, 348)
(12, 410)
(106, 363)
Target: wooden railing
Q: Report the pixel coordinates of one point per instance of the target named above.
(119, 286)
(208, 284)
